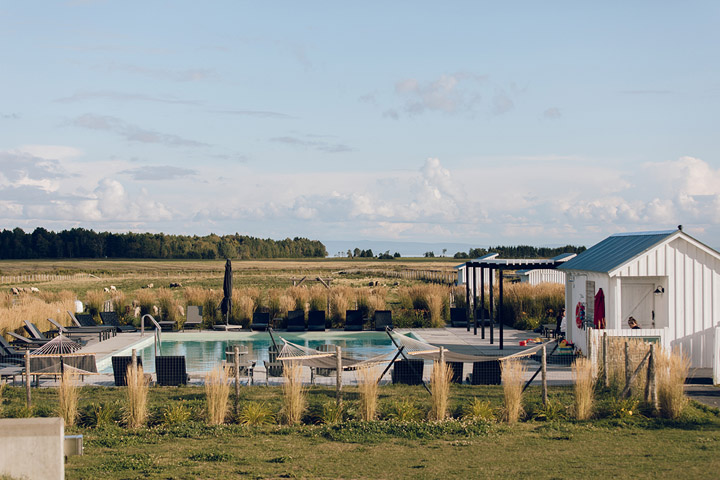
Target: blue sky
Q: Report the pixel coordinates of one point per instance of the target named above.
(464, 122)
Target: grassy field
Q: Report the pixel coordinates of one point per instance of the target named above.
(614, 444)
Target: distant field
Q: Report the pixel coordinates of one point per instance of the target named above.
(206, 273)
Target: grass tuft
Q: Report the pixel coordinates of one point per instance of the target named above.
(294, 394)
(513, 372)
(136, 411)
(672, 370)
(583, 385)
(440, 380)
(217, 393)
(368, 388)
(68, 397)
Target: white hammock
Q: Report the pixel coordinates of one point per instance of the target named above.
(310, 357)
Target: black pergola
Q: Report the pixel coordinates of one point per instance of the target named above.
(500, 265)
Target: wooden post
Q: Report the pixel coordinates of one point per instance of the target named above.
(544, 376)
(442, 357)
(627, 366)
(338, 377)
(134, 360)
(28, 401)
(236, 361)
(651, 385)
(606, 376)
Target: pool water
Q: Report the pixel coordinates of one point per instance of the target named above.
(203, 352)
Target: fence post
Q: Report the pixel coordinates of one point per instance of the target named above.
(544, 376)
(338, 375)
(606, 377)
(627, 366)
(236, 361)
(134, 360)
(27, 379)
(651, 384)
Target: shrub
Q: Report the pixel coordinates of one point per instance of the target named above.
(332, 413)
(175, 414)
(217, 393)
(479, 410)
(136, 402)
(294, 394)
(94, 301)
(243, 307)
(513, 372)
(341, 300)
(168, 305)
(68, 397)
(440, 387)
(368, 388)
(318, 298)
(301, 297)
(254, 413)
(583, 385)
(404, 411)
(672, 369)
(103, 414)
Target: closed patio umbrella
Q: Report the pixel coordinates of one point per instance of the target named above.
(226, 304)
(599, 314)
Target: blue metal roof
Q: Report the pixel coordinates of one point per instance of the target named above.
(615, 250)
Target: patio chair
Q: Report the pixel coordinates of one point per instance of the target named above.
(486, 373)
(458, 317)
(316, 321)
(194, 317)
(112, 319)
(353, 320)
(383, 320)
(246, 367)
(102, 331)
(323, 372)
(409, 371)
(35, 332)
(296, 321)
(457, 371)
(87, 320)
(273, 366)
(260, 321)
(9, 354)
(120, 366)
(170, 370)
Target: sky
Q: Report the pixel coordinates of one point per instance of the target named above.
(481, 123)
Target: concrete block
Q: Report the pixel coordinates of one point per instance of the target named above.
(32, 448)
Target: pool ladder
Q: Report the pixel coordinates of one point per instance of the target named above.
(157, 331)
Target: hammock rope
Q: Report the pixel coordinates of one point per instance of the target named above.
(310, 357)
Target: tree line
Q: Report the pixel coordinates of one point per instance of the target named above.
(82, 243)
(521, 251)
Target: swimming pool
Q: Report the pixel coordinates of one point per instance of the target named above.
(203, 351)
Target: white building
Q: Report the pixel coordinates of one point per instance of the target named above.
(668, 281)
(541, 275)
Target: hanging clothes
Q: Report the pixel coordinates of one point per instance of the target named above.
(599, 319)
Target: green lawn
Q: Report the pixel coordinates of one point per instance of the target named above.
(612, 445)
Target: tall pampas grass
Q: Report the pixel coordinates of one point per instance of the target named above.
(217, 393)
(342, 298)
(136, 402)
(440, 380)
(584, 383)
(301, 297)
(94, 300)
(513, 372)
(435, 307)
(168, 305)
(672, 369)
(294, 394)
(243, 307)
(68, 397)
(36, 310)
(368, 388)
(318, 298)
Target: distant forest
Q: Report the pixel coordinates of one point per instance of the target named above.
(521, 251)
(81, 243)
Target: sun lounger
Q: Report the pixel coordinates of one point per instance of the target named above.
(383, 320)
(112, 319)
(120, 366)
(25, 342)
(103, 332)
(261, 321)
(316, 320)
(296, 321)
(86, 320)
(458, 317)
(8, 353)
(486, 373)
(353, 320)
(194, 317)
(170, 370)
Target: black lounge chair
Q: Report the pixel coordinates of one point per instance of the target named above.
(486, 373)
(170, 370)
(296, 321)
(261, 321)
(9, 354)
(408, 371)
(273, 366)
(194, 317)
(458, 317)
(102, 331)
(112, 319)
(457, 371)
(25, 342)
(353, 320)
(34, 331)
(316, 321)
(120, 366)
(383, 320)
(86, 320)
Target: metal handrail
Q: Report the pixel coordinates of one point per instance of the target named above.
(157, 331)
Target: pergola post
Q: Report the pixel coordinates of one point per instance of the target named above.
(490, 307)
(500, 305)
(467, 289)
(482, 301)
(472, 306)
